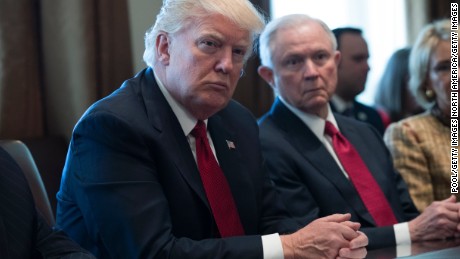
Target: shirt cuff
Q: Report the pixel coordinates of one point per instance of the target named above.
(402, 236)
(272, 247)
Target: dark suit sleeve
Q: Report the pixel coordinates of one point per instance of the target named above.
(56, 244)
(281, 164)
(406, 209)
(115, 178)
(24, 233)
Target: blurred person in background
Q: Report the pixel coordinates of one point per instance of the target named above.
(420, 144)
(352, 75)
(24, 233)
(393, 94)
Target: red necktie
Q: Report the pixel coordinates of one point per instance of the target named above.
(216, 187)
(368, 189)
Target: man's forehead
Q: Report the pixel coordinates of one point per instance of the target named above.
(303, 37)
(352, 40)
(219, 27)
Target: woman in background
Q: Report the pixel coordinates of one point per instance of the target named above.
(393, 95)
(420, 144)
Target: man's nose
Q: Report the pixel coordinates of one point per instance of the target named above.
(310, 70)
(225, 62)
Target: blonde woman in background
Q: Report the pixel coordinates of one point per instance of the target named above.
(420, 144)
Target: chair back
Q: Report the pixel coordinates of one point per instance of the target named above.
(21, 154)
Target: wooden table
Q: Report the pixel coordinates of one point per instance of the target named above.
(439, 249)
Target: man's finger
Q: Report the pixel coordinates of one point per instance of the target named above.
(336, 218)
(353, 225)
(360, 241)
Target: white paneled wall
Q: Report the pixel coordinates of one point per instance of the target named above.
(142, 15)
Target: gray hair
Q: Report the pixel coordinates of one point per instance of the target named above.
(419, 59)
(288, 21)
(174, 15)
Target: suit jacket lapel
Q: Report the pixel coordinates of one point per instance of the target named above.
(355, 138)
(229, 159)
(313, 150)
(165, 122)
(370, 159)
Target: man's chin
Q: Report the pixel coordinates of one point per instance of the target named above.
(318, 109)
(216, 100)
(207, 108)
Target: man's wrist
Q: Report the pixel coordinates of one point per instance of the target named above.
(288, 249)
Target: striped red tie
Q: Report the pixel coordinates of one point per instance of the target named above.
(368, 189)
(216, 186)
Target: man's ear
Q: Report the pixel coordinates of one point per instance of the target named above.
(162, 45)
(267, 74)
(337, 57)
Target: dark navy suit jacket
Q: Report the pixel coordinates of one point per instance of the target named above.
(311, 183)
(366, 114)
(131, 187)
(24, 234)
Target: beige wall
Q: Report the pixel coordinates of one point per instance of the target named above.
(416, 18)
(142, 15)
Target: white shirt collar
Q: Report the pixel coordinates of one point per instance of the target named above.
(339, 104)
(314, 122)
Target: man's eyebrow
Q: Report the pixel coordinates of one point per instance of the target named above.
(322, 50)
(244, 43)
(292, 54)
(211, 34)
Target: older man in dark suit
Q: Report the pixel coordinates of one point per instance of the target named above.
(324, 163)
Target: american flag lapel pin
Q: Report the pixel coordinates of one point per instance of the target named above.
(230, 144)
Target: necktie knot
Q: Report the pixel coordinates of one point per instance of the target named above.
(330, 129)
(199, 131)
